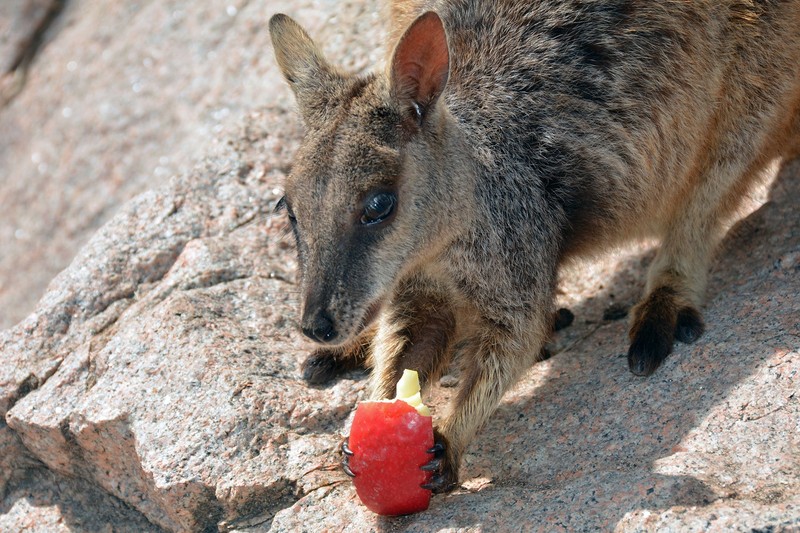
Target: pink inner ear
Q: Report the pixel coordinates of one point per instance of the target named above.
(422, 60)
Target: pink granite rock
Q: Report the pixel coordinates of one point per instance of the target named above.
(179, 313)
(42, 501)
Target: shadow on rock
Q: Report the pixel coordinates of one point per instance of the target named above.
(45, 501)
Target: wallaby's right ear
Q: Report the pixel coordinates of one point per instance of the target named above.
(309, 75)
(421, 65)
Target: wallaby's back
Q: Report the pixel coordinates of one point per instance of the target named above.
(639, 98)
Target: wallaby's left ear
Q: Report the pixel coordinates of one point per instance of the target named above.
(421, 65)
(309, 75)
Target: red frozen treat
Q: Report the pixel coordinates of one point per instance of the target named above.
(390, 442)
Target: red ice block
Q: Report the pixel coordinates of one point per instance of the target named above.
(389, 440)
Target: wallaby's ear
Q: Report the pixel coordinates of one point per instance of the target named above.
(421, 65)
(309, 75)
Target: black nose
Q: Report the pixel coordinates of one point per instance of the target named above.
(319, 327)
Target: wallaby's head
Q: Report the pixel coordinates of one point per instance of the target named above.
(362, 196)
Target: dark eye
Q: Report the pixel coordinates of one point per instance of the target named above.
(378, 208)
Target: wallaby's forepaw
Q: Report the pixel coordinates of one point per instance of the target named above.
(445, 472)
(320, 367)
(323, 365)
(658, 321)
(444, 479)
(326, 364)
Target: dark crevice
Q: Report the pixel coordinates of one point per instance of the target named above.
(28, 385)
(28, 50)
(127, 294)
(214, 277)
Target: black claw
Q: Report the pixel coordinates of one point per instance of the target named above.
(348, 453)
(437, 449)
(433, 465)
(346, 448)
(439, 485)
(444, 477)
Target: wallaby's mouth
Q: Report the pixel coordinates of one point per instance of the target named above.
(372, 312)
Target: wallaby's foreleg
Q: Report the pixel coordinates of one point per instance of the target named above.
(415, 332)
(324, 364)
(499, 359)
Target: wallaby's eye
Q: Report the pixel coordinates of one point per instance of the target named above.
(378, 208)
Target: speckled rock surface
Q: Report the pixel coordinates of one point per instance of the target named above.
(156, 384)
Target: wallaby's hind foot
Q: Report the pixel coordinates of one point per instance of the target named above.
(690, 325)
(562, 319)
(657, 321)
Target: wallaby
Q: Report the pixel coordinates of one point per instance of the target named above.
(432, 204)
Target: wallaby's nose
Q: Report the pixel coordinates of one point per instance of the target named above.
(319, 327)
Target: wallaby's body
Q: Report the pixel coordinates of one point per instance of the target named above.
(507, 137)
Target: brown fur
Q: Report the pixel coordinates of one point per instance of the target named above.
(507, 137)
